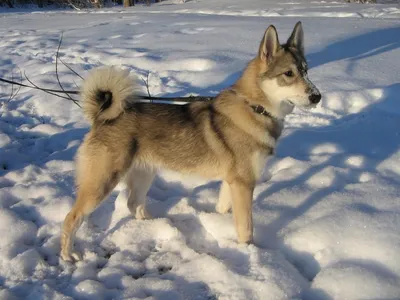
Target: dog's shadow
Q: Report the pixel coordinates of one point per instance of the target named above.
(375, 141)
(162, 198)
(358, 47)
(372, 131)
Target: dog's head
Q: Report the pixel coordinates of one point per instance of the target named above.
(283, 70)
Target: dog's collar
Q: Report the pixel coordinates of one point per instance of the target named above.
(259, 109)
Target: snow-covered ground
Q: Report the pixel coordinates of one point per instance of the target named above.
(327, 223)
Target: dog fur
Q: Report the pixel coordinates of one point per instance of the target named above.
(228, 138)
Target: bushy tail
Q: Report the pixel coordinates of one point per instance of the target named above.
(105, 92)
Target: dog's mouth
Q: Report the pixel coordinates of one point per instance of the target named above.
(307, 106)
(290, 102)
(310, 106)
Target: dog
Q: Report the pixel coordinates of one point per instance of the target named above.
(228, 138)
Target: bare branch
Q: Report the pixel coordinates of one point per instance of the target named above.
(20, 77)
(75, 84)
(39, 88)
(14, 94)
(51, 93)
(19, 87)
(146, 83)
(58, 78)
(73, 6)
(12, 87)
(70, 68)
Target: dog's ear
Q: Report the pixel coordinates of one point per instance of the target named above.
(296, 39)
(269, 44)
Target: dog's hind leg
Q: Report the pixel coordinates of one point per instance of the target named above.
(97, 175)
(138, 181)
(225, 199)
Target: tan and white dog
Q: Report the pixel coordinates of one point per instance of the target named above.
(228, 138)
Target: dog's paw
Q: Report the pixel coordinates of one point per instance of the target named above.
(245, 235)
(142, 213)
(246, 239)
(72, 256)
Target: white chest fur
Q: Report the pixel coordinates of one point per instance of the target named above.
(258, 161)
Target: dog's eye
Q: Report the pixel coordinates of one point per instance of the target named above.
(288, 73)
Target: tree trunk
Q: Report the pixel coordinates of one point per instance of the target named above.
(9, 3)
(128, 3)
(96, 4)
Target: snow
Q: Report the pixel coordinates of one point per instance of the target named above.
(326, 213)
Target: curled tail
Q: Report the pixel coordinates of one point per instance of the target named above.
(105, 92)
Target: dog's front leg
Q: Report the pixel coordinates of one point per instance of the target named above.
(242, 198)
(225, 199)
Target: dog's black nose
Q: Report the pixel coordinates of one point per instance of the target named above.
(315, 98)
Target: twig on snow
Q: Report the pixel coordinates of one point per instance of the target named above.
(58, 78)
(70, 68)
(19, 87)
(53, 92)
(146, 83)
(37, 87)
(50, 91)
(12, 87)
(14, 94)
